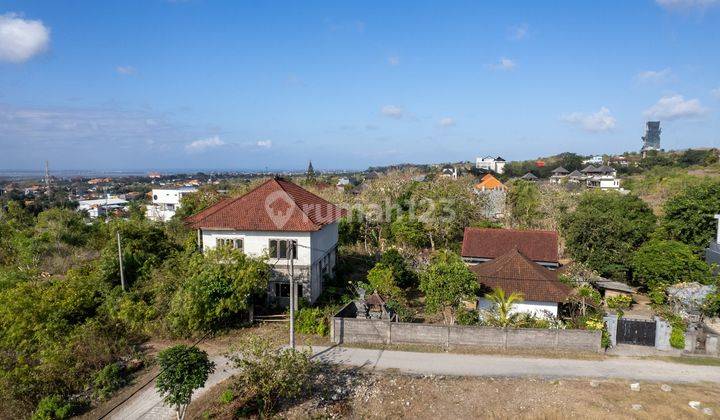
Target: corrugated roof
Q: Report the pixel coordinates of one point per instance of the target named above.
(276, 205)
(538, 245)
(514, 272)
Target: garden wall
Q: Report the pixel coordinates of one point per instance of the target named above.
(357, 330)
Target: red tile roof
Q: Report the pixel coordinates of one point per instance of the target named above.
(514, 272)
(276, 205)
(538, 245)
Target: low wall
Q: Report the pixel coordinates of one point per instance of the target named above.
(354, 330)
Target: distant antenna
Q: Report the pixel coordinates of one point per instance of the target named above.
(47, 175)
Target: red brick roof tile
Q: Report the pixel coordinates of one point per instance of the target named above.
(276, 205)
(514, 272)
(538, 245)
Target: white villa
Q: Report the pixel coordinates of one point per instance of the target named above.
(280, 220)
(489, 163)
(165, 203)
(602, 177)
(98, 207)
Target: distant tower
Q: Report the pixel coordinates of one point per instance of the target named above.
(47, 176)
(310, 175)
(651, 139)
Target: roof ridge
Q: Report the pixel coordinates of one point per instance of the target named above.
(294, 200)
(513, 230)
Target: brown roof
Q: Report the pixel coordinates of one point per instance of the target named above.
(538, 245)
(514, 272)
(276, 205)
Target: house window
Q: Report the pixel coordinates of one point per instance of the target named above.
(281, 249)
(283, 290)
(230, 243)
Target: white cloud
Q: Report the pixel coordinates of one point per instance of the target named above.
(126, 70)
(264, 143)
(21, 39)
(447, 122)
(504, 64)
(392, 111)
(595, 122)
(654, 76)
(204, 144)
(518, 32)
(675, 107)
(687, 4)
(394, 60)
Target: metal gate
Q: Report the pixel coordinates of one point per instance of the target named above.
(636, 331)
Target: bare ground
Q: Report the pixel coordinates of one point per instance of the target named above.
(394, 395)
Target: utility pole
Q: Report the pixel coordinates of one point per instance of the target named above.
(292, 298)
(120, 260)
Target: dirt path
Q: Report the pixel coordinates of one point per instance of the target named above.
(503, 366)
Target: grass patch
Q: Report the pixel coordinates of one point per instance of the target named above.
(687, 360)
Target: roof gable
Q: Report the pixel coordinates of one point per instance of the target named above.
(537, 245)
(514, 272)
(276, 205)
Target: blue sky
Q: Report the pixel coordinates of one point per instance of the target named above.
(153, 84)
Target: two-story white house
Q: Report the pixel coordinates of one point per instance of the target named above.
(166, 202)
(282, 221)
(489, 163)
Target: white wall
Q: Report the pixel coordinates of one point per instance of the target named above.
(256, 243)
(532, 307)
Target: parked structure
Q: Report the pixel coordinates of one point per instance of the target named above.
(99, 207)
(166, 202)
(489, 163)
(282, 221)
(482, 244)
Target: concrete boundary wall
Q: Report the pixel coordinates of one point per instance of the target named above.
(358, 330)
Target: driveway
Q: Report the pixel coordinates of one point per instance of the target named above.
(147, 404)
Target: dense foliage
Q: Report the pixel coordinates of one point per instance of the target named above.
(689, 216)
(605, 229)
(447, 283)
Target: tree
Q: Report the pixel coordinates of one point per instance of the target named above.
(310, 174)
(659, 263)
(587, 296)
(404, 276)
(381, 279)
(523, 201)
(502, 306)
(409, 231)
(446, 207)
(605, 229)
(688, 216)
(447, 282)
(218, 288)
(183, 369)
(195, 202)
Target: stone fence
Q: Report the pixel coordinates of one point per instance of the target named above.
(359, 330)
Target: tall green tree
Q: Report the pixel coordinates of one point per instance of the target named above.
(183, 369)
(605, 229)
(523, 201)
(447, 283)
(658, 264)
(689, 216)
(219, 286)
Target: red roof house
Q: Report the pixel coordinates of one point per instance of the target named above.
(482, 244)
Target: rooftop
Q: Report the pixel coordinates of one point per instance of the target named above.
(538, 245)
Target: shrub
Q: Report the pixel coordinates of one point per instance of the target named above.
(658, 264)
(227, 396)
(619, 303)
(53, 407)
(108, 380)
(465, 316)
(312, 321)
(677, 337)
(268, 375)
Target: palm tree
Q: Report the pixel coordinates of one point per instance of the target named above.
(503, 305)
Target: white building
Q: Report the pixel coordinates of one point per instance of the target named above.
(102, 206)
(165, 203)
(603, 177)
(490, 163)
(594, 160)
(278, 220)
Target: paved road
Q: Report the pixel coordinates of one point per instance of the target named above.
(147, 404)
(483, 365)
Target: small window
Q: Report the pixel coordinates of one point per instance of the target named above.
(281, 249)
(238, 244)
(282, 290)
